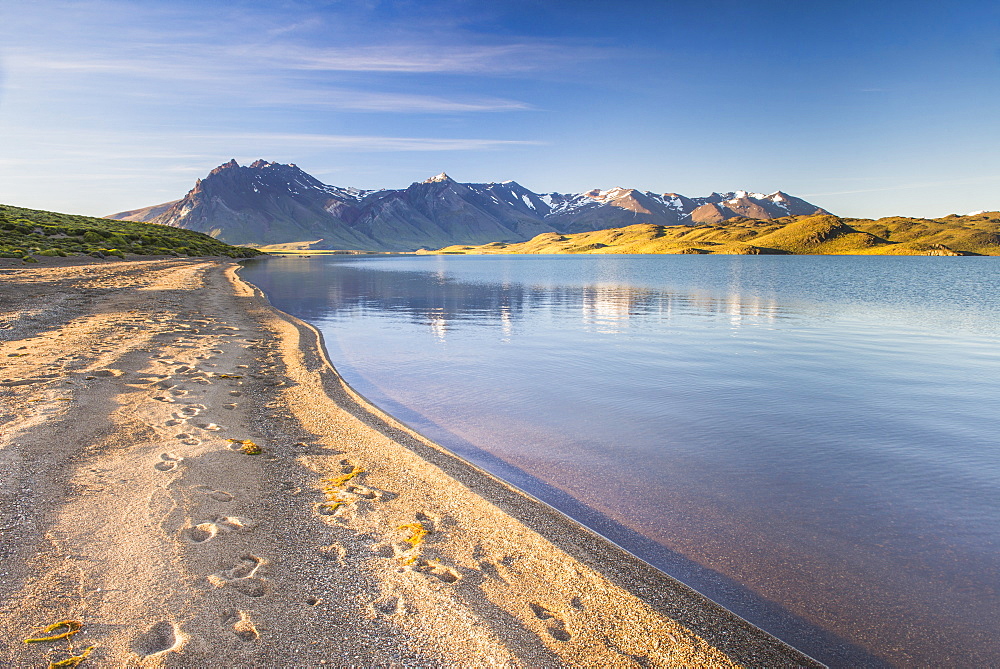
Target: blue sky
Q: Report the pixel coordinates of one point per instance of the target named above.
(867, 109)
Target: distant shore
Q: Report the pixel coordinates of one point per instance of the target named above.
(971, 235)
(184, 473)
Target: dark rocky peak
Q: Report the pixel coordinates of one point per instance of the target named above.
(225, 166)
(265, 166)
(502, 187)
(258, 176)
(512, 193)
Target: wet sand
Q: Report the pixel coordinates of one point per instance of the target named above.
(133, 398)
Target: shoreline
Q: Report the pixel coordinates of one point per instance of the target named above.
(350, 539)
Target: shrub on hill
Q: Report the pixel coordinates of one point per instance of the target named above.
(26, 232)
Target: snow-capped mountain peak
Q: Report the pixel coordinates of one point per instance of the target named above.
(440, 178)
(271, 203)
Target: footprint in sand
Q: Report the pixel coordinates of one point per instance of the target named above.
(201, 533)
(192, 410)
(335, 553)
(246, 567)
(346, 497)
(164, 399)
(241, 577)
(428, 520)
(243, 626)
(553, 624)
(364, 492)
(491, 570)
(351, 501)
(217, 495)
(437, 570)
(168, 462)
(390, 550)
(389, 605)
(187, 439)
(251, 587)
(211, 427)
(160, 638)
(207, 531)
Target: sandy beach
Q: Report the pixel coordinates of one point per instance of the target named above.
(183, 472)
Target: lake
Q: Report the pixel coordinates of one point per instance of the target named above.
(811, 441)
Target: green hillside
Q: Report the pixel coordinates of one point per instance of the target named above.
(796, 235)
(29, 232)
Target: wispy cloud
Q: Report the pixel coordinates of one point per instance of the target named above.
(297, 26)
(195, 66)
(496, 60)
(364, 142)
(174, 59)
(252, 82)
(124, 149)
(371, 101)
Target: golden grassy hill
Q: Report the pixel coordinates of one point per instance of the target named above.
(797, 235)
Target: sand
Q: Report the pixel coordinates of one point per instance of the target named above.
(126, 504)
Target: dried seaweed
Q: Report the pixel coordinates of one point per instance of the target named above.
(418, 533)
(74, 661)
(343, 478)
(247, 447)
(72, 627)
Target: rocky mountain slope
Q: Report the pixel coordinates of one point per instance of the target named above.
(270, 203)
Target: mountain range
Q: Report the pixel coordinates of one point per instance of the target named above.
(269, 203)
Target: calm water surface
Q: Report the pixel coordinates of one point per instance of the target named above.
(811, 441)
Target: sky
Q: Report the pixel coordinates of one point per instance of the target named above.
(867, 109)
